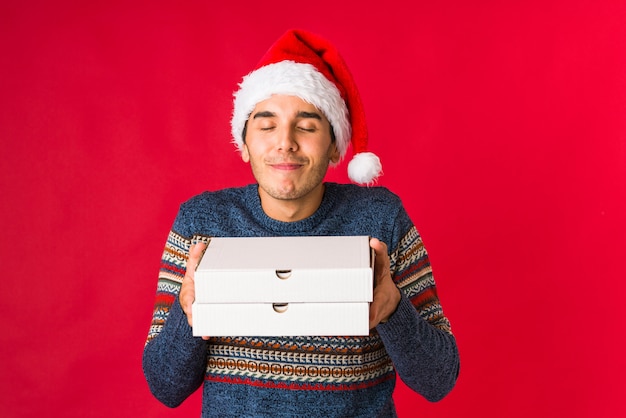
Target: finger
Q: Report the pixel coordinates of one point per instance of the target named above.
(372, 317)
(186, 297)
(187, 290)
(377, 307)
(385, 303)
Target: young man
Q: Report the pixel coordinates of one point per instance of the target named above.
(294, 115)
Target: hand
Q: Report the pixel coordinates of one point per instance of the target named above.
(188, 290)
(386, 293)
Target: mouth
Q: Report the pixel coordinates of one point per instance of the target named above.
(286, 165)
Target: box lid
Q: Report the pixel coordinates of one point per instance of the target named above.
(286, 269)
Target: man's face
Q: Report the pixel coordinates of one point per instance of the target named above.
(288, 145)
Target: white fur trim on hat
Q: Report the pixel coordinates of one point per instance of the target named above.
(292, 79)
(364, 168)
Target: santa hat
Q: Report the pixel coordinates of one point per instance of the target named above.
(304, 65)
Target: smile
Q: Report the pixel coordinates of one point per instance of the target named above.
(286, 166)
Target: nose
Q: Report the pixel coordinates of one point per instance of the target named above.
(286, 140)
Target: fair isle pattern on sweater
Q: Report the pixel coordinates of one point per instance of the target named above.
(308, 363)
(298, 363)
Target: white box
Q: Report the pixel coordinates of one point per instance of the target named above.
(284, 286)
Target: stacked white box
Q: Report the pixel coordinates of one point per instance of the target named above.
(284, 286)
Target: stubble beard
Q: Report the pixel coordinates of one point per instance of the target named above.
(291, 191)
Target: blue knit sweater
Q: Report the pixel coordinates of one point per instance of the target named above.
(302, 376)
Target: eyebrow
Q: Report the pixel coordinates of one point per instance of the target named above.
(300, 114)
(264, 114)
(309, 115)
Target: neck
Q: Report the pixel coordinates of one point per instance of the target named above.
(292, 210)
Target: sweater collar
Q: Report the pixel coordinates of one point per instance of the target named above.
(253, 201)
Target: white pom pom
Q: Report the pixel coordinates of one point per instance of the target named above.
(364, 168)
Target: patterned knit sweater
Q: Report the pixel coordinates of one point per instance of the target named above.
(302, 376)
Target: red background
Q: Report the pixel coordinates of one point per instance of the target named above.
(502, 126)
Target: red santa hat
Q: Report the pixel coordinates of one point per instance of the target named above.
(304, 65)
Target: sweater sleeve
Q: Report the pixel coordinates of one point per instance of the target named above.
(174, 362)
(418, 336)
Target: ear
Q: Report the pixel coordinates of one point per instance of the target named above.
(334, 153)
(245, 155)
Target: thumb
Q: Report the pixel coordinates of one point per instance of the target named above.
(381, 262)
(196, 251)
